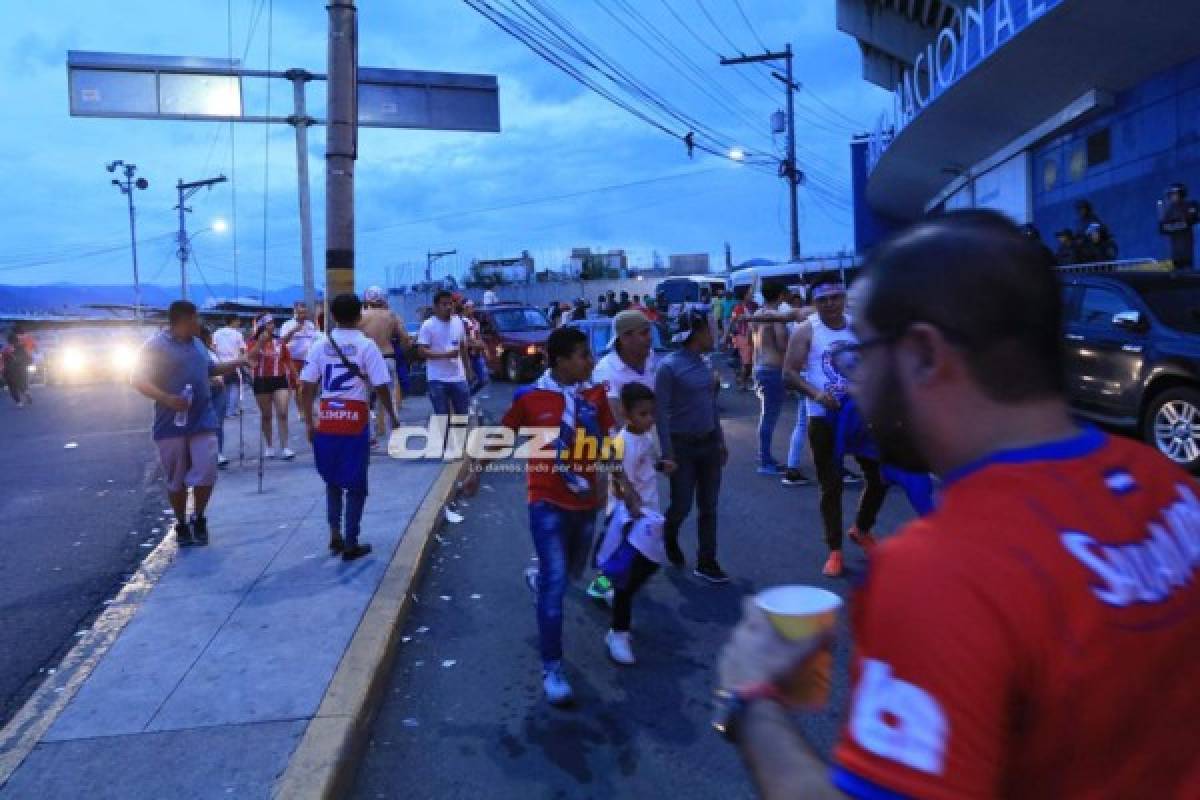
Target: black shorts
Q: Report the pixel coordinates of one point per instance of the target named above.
(270, 385)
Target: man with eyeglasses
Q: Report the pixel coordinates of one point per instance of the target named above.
(1036, 635)
(811, 366)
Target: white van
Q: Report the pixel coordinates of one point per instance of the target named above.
(796, 273)
(679, 289)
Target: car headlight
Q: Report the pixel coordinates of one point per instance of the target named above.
(124, 357)
(72, 359)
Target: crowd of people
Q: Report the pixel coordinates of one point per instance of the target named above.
(1023, 636)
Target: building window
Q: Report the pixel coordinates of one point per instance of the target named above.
(1078, 163)
(1099, 148)
(1049, 174)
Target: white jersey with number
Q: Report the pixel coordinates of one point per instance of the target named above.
(325, 367)
(820, 370)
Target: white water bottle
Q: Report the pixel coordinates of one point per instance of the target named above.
(181, 417)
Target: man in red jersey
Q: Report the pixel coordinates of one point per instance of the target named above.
(1036, 635)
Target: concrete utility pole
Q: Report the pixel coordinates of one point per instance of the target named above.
(787, 169)
(341, 148)
(186, 190)
(127, 186)
(300, 121)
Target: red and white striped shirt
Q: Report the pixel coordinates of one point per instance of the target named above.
(272, 357)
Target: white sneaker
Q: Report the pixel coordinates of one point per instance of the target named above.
(554, 684)
(287, 454)
(222, 461)
(620, 647)
(268, 452)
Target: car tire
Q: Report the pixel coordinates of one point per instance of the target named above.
(512, 368)
(1172, 426)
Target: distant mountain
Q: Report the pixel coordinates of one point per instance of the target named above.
(67, 297)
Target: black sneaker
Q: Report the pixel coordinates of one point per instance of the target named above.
(200, 530)
(674, 554)
(357, 551)
(794, 477)
(336, 543)
(710, 571)
(183, 535)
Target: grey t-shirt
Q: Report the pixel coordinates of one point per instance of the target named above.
(685, 398)
(170, 365)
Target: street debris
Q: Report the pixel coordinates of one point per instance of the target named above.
(423, 629)
(454, 517)
(411, 722)
(446, 597)
(448, 663)
(476, 597)
(70, 445)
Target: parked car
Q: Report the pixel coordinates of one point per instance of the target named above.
(599, 332)
(1133, 355)
(515, 337)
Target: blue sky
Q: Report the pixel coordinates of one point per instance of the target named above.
(60, 220)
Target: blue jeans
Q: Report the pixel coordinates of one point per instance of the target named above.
(355, 500)
(697, 478)
(799, 437)
(770, 392)
(479, 365)
(448, 398)
(563, 540)
(220, 404)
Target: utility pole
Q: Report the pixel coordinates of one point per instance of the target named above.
(787, 169)
(432, 257)
(341, 148)
(300, 121)
(127, 186)
(186, 190)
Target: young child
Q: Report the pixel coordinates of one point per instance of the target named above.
(346, 364)
(633, 547)
(561, 490)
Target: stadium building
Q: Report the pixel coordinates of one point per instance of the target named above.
(1028, 106)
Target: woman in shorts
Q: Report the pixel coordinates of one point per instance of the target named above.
(272, 372)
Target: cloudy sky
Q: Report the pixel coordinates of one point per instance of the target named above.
(569, 169)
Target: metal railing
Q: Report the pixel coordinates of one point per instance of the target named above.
(1126, 265)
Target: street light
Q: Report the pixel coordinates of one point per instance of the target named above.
(127, 186)
(219, 225)
(737, 153)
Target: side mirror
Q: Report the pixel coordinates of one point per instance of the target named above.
(1128, 320)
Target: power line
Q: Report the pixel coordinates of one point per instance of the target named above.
(753, 32)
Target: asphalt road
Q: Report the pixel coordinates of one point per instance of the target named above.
(464, 715)
(74, 521)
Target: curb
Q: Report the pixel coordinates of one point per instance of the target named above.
(326, 761)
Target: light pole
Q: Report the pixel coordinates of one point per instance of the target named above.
(186, 190)
(127, 186)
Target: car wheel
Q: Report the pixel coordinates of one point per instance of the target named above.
(1172, 426)
(512, 368)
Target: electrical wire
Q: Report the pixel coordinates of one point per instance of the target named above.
(233, 222)
(750, 27)
(267, 152)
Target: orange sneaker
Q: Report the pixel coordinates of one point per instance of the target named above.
(863, 539)
(833, 565)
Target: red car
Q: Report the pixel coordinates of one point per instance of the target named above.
(514, 336)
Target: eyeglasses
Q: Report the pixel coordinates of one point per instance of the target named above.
(848, 358)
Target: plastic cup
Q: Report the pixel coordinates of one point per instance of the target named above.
(798, 613)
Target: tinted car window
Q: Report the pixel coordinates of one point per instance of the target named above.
(678, 292)
(520, 319)
(1099, 305)
(1176, 307)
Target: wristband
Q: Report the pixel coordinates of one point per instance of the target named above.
(731, 704)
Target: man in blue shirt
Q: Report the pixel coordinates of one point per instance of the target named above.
(173, 371)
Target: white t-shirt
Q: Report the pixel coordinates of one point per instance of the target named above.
(302, 340)
(229, 343)
(641, 454)
(821, 370)
(442, 337)
(615, 373)
(325, 367)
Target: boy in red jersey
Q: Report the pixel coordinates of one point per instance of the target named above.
(563, 496)
(1035, 635)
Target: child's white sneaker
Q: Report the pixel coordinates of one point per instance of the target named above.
(620, 647)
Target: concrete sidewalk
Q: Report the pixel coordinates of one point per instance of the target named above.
(212, 684)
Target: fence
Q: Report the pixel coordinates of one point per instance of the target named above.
(535, 294)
